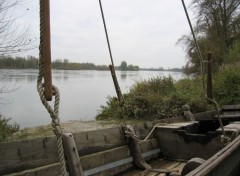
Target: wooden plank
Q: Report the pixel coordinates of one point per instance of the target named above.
(223, 163)
(99, 140)
(28, 154)
(152, 174)
(91, 161)
(52, 169)
(231, 107)
(180, 167)
(159, 163)
(229, 116)
(171, 165)
(205, 115)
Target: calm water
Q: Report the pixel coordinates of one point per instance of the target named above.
(82, 93)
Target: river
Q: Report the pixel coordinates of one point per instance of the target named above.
(81, 93)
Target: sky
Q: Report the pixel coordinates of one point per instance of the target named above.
(141, 32)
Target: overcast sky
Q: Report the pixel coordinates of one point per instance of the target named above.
(141, 32)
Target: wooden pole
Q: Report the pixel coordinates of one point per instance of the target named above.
(116, 85)
(71, 155)
(47, 50)
(209, 77)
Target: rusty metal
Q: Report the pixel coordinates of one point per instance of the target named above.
(209, 77)
(47, 50)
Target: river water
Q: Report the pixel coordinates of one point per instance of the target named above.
(81, 93)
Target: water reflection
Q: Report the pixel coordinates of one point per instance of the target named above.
(82, 93)
(123, 75)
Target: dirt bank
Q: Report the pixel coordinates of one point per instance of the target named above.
(72, 126)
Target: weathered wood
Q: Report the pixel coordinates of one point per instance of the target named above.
(135, 150)
(93, 160)
(209, 77)
(29, 154)
(52, 169)
(179, 170)
(231, 107)
(223, 163)
(188, 145)
(46, 47)
(209, 115)
(231, 117)
(191, 165)
(71, 155)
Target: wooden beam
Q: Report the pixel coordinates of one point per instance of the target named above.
(223, 163)
(46, 46)
(32, 153)
(95, 160)
(71, 155)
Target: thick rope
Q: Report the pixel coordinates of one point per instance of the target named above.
(197, 46)
(53, 112)
(118, 90)
(132, 135)
(225, 139)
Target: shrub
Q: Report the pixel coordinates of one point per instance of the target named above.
(227, 84)
(7, 129)
(111, 110)
(158, 97)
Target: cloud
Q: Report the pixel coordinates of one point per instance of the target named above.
(141, 32)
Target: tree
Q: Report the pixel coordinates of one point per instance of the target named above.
(217, 29)
(13, 38)
(123, 66)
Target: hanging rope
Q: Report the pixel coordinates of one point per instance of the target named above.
(112, 67)
(225, 139)
(197, 46)
(41, 90)
(130, 133)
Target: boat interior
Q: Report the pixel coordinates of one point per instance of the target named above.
(173, 145)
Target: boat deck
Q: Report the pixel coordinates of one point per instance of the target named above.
(160, 167)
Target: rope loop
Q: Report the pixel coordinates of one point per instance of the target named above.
(53, 112)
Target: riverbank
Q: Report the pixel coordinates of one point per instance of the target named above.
(71, 126)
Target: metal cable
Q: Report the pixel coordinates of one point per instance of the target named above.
(53, 112)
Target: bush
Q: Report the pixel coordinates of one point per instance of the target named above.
(158, 97)
(7, 129)
(227, 84)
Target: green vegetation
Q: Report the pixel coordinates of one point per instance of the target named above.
(31, 62)
(7, 129)
(157, 98)
(217, 29)
(227, 84)
(162, 97)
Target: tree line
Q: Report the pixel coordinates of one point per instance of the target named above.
(217, 29)
(31, 62)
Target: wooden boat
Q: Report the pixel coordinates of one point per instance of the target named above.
(173, 143)
(175, 147)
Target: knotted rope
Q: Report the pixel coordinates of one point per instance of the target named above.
(53, 112)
